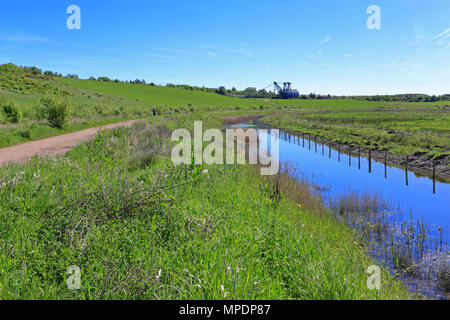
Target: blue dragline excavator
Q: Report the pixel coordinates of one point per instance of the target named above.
(285, 92)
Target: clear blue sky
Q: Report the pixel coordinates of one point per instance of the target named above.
(322, 46)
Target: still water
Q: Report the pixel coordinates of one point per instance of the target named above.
(338, 173)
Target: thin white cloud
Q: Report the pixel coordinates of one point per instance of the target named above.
(75, 59)
(445, 34)
(20, 36)
(177, 51)
(314, 56)
(440, 41)
(362, 54)
(153, 55)
(327, 38)
(391, 64)
(403, 70)
(367, 52)
(241, 51)
(212, 54)
(217, 49)
(442, 50)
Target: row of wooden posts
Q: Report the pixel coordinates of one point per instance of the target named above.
(359, 156)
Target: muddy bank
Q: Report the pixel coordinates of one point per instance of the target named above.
(241, 118)
(419, 164)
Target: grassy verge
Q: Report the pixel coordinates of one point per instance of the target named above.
(140, 228)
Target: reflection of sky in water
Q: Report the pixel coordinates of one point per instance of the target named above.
(245, 125)
(417, 196)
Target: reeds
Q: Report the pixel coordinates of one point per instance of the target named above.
(405, 244)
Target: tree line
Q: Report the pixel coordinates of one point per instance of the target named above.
(250, 92)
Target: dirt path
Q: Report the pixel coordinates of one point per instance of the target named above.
(57, 146)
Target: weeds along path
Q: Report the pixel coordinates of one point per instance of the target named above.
(57, 146)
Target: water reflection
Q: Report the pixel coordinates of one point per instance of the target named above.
(419, 197)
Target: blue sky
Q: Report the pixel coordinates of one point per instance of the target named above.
(322, 46)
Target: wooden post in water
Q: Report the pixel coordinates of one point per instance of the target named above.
(359, 157)
(323, 148)
(303, 136)
(370, 161)
(349, 155)
(339, 152)
(329, 148)
(406, 170)
(385, 164)
(309, 141)
(434, 177)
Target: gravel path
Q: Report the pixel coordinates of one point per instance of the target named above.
(57, 146)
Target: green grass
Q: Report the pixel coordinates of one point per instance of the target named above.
(348, 104)
(167, 97)
(400, 132)
(141, 229)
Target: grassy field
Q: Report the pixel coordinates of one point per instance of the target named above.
(140, 228)
(348, 104)
(167, 98)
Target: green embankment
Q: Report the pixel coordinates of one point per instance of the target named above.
(138, 228)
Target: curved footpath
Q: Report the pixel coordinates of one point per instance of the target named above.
(56, 146)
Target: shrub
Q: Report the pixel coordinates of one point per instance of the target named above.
(55, 110)
(11, 111)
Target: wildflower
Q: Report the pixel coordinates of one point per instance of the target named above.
(228, 270)
(158, 277)
(36, 176)
(225, 293)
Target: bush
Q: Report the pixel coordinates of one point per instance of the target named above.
(11, 111)
(55, 110)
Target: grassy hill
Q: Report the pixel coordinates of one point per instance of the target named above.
(173, 98)
(165, 97)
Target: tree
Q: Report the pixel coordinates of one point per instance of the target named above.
(11, 111)
(55, 110)
(222, 90)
